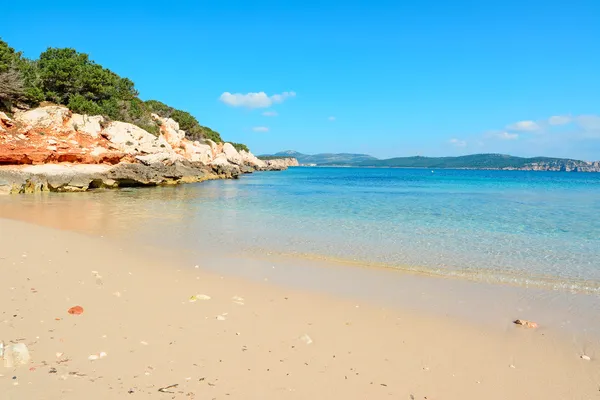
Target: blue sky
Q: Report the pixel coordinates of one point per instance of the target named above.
(384, 78)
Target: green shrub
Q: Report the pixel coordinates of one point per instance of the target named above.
(65, 76)
(240, 147)
(81, 105)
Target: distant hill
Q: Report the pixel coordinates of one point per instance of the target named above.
(486, 161)
(323, 158)
(473, 161)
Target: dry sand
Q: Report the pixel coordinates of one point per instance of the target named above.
(137, 310)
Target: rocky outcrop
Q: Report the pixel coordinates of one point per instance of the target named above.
(251, 160)
(198, 152)
(279, 164)
(169, 128)
(52, 149)
(82, 177)
(563, 165)
(223, 167)
(232, 154)
(50, 117)
(77, 152)
(46, 135)
(89, 125)
(132, 139)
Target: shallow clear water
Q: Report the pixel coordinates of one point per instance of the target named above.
(528, 228)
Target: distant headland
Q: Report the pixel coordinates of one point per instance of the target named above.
(474, 161)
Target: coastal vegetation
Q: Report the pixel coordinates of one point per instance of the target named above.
(67, 77)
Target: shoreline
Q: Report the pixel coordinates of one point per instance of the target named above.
(360, 348)
(566, 311)
(545, 282)
(483, 276)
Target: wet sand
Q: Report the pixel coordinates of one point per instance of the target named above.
(249, 340)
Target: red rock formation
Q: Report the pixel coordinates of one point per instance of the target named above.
(22, 143)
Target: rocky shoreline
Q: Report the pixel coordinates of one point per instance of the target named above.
(52, 149)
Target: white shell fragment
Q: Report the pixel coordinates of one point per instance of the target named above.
(306, 339)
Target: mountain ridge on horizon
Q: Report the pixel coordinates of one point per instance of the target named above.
(472, 161)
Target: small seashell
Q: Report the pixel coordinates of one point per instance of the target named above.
(199, 297)
(221, 317)
(587, 358)
(306, 339)
(97, 356)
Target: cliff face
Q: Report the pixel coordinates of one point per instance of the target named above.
(126, 155)
(281, 163)
(566, 165)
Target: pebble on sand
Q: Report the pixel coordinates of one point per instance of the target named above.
(77, 310)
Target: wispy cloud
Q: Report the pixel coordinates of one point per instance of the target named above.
(260, 129)
(270, 113)
(590, 123)
(457, 142)
(503, 135)
(559, 120)
(254, 99)
(524, 126)
(332, 118)
(563, 135)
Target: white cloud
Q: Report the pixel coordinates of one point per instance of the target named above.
(559, 120)
(260, 129)
(506, 136)
(270, 113)
(254, 100)
(561, 135)
(526, 126)
(588, 122)
(332, 118)
(457, 143)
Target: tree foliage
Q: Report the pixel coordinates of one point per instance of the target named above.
(68, 77)
(240, 147)
(187, 122)
(11, 86)
(12, 83)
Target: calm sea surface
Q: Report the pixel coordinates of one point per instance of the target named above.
(526, 228)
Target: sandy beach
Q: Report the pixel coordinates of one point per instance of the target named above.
(249, 340)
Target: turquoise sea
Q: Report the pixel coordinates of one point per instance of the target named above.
(525, 228)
